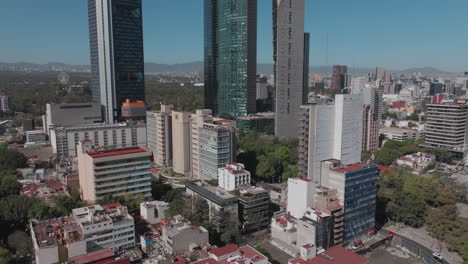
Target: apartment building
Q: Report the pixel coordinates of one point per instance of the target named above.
(232, 176)
(159, 134)
(370, 130)
(254, 208)
(113, 172)
(179, 236)
(182, 149)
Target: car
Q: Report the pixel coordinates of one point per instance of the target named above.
(437, 256)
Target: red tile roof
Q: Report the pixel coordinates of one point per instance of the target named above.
(117, 152)
(223, 251)
(111, 206)
(334, 255)
(94, 256)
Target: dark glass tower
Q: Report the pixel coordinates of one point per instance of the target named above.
(230, 57)
(116, 44)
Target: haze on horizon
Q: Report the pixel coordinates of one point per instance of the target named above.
(396, 34)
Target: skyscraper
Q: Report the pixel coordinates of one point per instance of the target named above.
(339, 77)
(289, 57)
(379, 73)
(230, 57)
(116, 45)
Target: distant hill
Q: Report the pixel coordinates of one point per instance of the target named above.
(196, 66)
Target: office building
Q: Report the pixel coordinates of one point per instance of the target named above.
(159, 134)
(330, 131)
(305, 79)
(89, 229)
(288, 42)
(64, 115)
(358, 84)
(387, 76)
(113, 172)
(232, 176)
(446, 126)
(370, 130)
(230, 57)
(356, 186)
(212, 144)
(338, 82)
(65, 139)
(261, 122)
(182, 150)
(379, 73)
(223, 206)
(254, 208)
(116, 45)
(399, 134)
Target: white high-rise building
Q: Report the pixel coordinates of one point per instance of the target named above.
(288, 28)
(300, 196)
(330, 131)
(357, 84)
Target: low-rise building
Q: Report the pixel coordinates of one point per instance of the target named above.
(334, 255)
(88, 229)
(232, 176)
(399, 134)
(417, 161)
(223, 206)
(113, 172)
(106, 226)
(36, 137)
(180, 236)
(260, 122)
(153, 211)
(234, 254)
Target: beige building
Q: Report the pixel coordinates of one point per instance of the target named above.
(181, 138)
(113, 172)
(159, 134)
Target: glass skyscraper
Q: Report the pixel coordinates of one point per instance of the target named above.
(230, 57)
(116, 45)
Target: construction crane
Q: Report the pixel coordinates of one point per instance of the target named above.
(455, 169)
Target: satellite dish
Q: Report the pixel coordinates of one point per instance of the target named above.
(63, 78)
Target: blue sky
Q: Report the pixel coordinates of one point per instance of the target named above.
(396, 34)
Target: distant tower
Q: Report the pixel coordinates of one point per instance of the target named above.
(230, 57)
(116, 45)
(290, 60)
(339, 77)
(379, 73)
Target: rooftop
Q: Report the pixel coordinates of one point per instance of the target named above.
(93, 257)
(50, 232)
(352, 168)
(212, 193)
(334, 255)
(237, 255)
(117, 152)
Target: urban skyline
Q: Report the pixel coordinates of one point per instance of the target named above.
(396, 46)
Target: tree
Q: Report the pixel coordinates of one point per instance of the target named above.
(15, 209)
(20, 242)
(407, 208)
(172, 195)
(176, 207)
(5, 256)
(289, 172)
(158, 190)
(442, 155)
(64, 204)
(131, 201)
(230, 237)
(9, 183)
(10, 158)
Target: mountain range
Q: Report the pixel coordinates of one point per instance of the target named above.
(196, 66)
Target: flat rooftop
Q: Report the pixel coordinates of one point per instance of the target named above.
(353, 167)
(117, 152)
(50, 232)
(212, 193)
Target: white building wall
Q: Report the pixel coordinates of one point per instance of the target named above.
(300, 196)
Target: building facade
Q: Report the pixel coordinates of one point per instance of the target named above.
(230, 57)
(330, 131)
(63, 115)
(65, 139)
(116, 45)
(288, 41)
(159, 134)
(182, 150)
(338, 82)
(232, 176)
(370, 130)
(113, 172)
(446, 126)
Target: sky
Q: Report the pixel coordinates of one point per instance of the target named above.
(396, 34)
